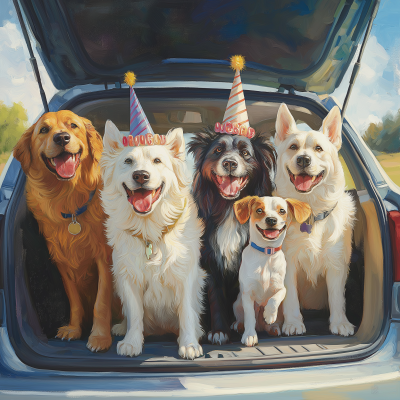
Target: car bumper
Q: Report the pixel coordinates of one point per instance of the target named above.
(378, 374)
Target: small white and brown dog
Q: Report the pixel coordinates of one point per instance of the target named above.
(155, 234)
(263, 268)
(317, 252)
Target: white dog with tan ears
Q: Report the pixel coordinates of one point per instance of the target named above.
(263, 268)
(155, 234)
(317, 251)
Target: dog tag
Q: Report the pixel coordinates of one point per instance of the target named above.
(74, 228)
(304, 227)
(149, 250)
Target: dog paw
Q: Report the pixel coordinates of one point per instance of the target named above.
(119, 329)
(270, 314)
(343, 328)
(99, 343)
(293, 327)
(69, 332)
(190, 351)
(128, 348)
(238, 327)
(250, 339)
(218, 337)
(273, 329)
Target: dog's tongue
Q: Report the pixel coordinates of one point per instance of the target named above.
(303, 182)
(230, 185)
(65, 165)
(271, 234)
(141, 200)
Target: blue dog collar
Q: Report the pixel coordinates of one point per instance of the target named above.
(266, 250)
(81, 210)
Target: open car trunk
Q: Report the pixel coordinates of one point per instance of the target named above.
(39, 304)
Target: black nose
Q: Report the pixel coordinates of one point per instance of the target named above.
(62, 138)
(229, 165)
(271, 221)
(303, 161)
(141, 176)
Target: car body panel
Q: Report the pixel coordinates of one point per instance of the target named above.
(307, 45)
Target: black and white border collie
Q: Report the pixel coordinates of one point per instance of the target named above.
(227, 168)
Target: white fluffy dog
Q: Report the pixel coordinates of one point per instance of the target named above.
(155, 234)
(317, 252)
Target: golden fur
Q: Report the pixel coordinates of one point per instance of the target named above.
(81, 259)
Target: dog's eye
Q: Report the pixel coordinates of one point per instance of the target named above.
(73, 126)
(259, 210)
(218, 150)
(245, 153)
(128, 161)
(294, 147)
(45, 129)
(282, 211)
(318, 148)
(156, 161)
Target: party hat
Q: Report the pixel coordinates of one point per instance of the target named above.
(236, 120)
(141, 133)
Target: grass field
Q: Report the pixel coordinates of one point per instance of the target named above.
(389, 162)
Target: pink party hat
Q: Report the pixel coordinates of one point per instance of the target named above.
(236, 120)
(141, 133)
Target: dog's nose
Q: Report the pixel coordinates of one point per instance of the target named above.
(303, 161)
(271, 221)
(141, 176)
(229, 165)
(62, 138)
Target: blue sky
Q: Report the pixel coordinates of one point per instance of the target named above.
(377, 89)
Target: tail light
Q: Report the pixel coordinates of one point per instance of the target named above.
(394, 227)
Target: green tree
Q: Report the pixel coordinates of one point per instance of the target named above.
(385, 136)
(13, 123)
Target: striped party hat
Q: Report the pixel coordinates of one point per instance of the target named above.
(140, 131)
(236, 120)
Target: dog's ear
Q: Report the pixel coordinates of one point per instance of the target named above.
(200, 143)
(242, 208)
(94, 139)
(112, 139)
(22, 150)
(332, 127)
(285, 124)
(299, 209)
(176, 143)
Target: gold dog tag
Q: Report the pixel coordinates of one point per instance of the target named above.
(149, 250)
(74, 227)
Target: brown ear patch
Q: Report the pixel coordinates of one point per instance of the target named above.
(242, 208)
(258, 203)
(22, 150)
(299, 209)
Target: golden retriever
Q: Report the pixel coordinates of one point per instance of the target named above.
(60, 156)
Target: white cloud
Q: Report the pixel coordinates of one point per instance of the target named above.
(17, 81)
(374, 93)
